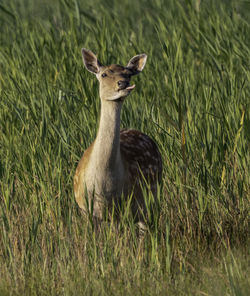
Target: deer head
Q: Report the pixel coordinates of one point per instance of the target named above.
(114, 80)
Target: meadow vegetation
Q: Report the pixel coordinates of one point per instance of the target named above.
(193, 98)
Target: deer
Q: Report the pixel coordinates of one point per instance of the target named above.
(118, 162)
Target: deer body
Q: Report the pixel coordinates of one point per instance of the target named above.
(117, 162)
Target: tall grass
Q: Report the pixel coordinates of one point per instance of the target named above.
(192, 98)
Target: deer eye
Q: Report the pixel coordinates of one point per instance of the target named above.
(104, 75)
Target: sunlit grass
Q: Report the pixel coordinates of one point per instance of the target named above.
(192, 98)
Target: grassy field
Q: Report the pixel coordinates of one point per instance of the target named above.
(193, 98)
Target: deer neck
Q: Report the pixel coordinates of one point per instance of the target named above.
(106, 150)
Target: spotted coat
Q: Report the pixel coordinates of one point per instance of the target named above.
(142, 159)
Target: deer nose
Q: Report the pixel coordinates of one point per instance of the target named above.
(123, 84)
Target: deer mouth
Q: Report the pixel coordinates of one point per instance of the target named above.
(124, 92)
(130, 87)
(124, 85)
(127, 87)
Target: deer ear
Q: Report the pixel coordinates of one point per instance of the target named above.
(137, 63)
(90, 61)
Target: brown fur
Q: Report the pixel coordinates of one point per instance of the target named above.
(79, 176)
(118, 162)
